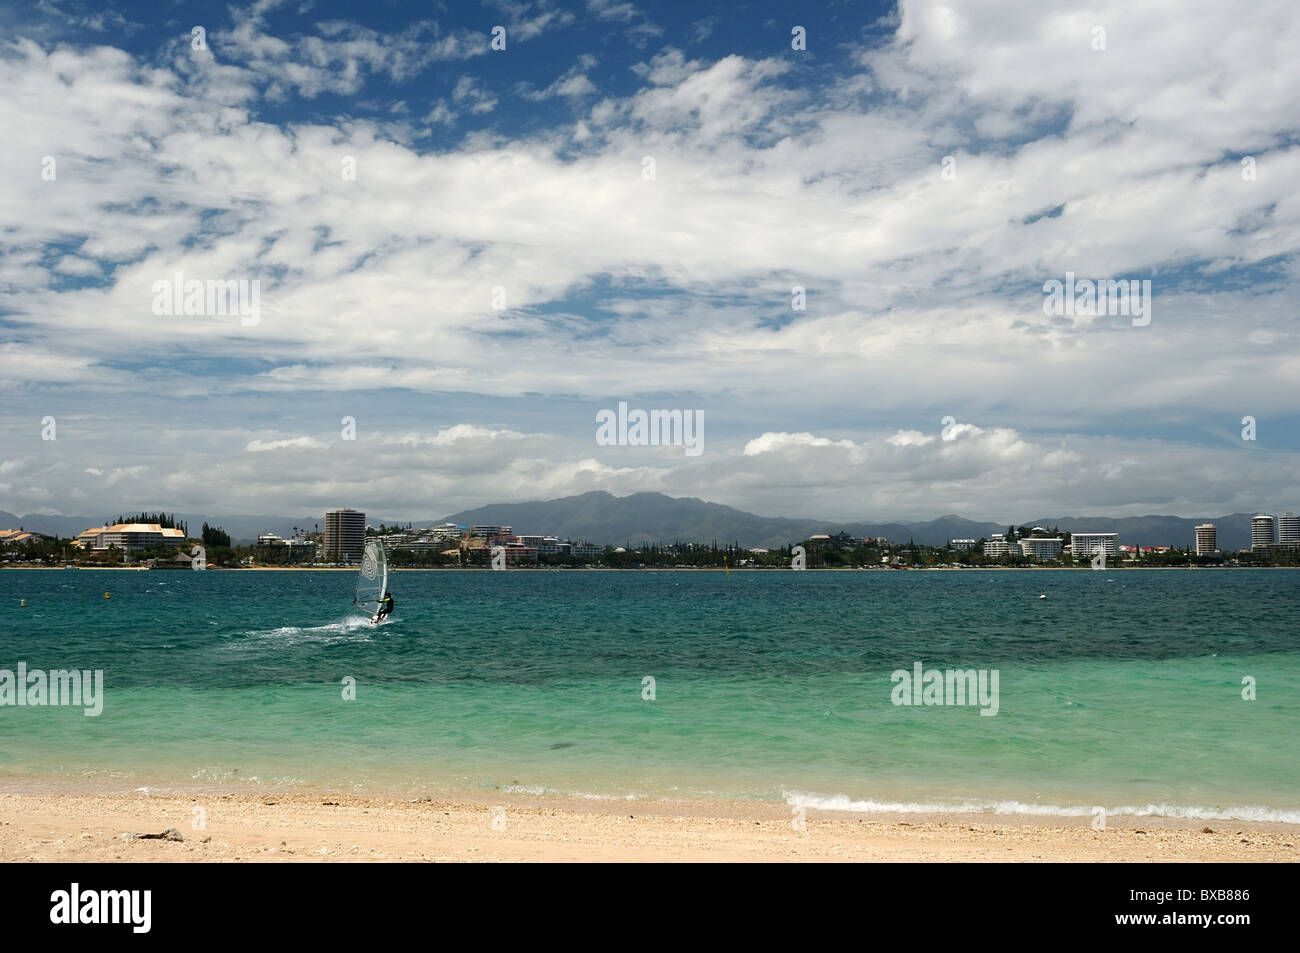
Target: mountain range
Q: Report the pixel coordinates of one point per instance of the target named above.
(601, 517)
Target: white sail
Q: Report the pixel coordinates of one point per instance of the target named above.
(372, 580)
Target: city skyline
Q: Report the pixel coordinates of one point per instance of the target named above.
(1263, 530)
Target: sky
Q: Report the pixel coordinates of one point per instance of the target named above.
(462, 254)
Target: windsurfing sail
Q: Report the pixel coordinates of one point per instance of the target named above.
(372, 580)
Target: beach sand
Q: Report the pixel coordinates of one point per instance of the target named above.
(322, 827)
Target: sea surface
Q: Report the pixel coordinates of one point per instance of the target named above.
(1121, 689)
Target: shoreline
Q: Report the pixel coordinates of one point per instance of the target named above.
(331, 827)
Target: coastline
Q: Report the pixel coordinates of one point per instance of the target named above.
(306, 827)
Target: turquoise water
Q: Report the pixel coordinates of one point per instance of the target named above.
(1121, 689)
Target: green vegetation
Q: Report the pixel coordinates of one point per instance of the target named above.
(162, 519)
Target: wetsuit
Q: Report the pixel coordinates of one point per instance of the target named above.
(385, 606)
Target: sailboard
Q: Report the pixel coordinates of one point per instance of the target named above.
(372, 579)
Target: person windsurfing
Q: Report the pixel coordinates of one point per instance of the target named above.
(385, 607)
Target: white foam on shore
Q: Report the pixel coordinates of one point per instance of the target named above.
(842, 802)
(227, 775)
(539, 790)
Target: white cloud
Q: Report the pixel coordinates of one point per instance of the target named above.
(470, 92)
(297, 443)
(923, 294)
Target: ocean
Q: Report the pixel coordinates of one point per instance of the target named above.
(1122, 689)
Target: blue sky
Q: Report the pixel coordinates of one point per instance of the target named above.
(500, 267)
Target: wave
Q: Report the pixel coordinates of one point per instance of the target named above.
(228, 775)
(540, 790)
(841, 802)
(352, 628)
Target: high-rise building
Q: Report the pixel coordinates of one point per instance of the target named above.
(1086, 544)
(1207, 539)
(1261, 531)
(1041, 547)
(345, 534)
(1288, 530)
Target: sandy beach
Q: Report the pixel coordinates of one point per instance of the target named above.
(347, 828)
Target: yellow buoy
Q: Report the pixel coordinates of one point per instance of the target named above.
(106, 595)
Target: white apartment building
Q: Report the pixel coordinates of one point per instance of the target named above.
(1085, 544)
(997, 546)
(1261, 531)
(1288, 530)
(1041, 547)
(1207, 539)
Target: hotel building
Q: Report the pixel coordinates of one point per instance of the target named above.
(997, 546)
(345, 534)
(1207, 539)
(1261, 531)
(1085, 544)
(130, 537)
(1041, 547)
(8, 536)
(1288, 530)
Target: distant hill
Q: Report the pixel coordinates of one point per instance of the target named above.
(601, 517)
(64, 526)
(653, 517)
